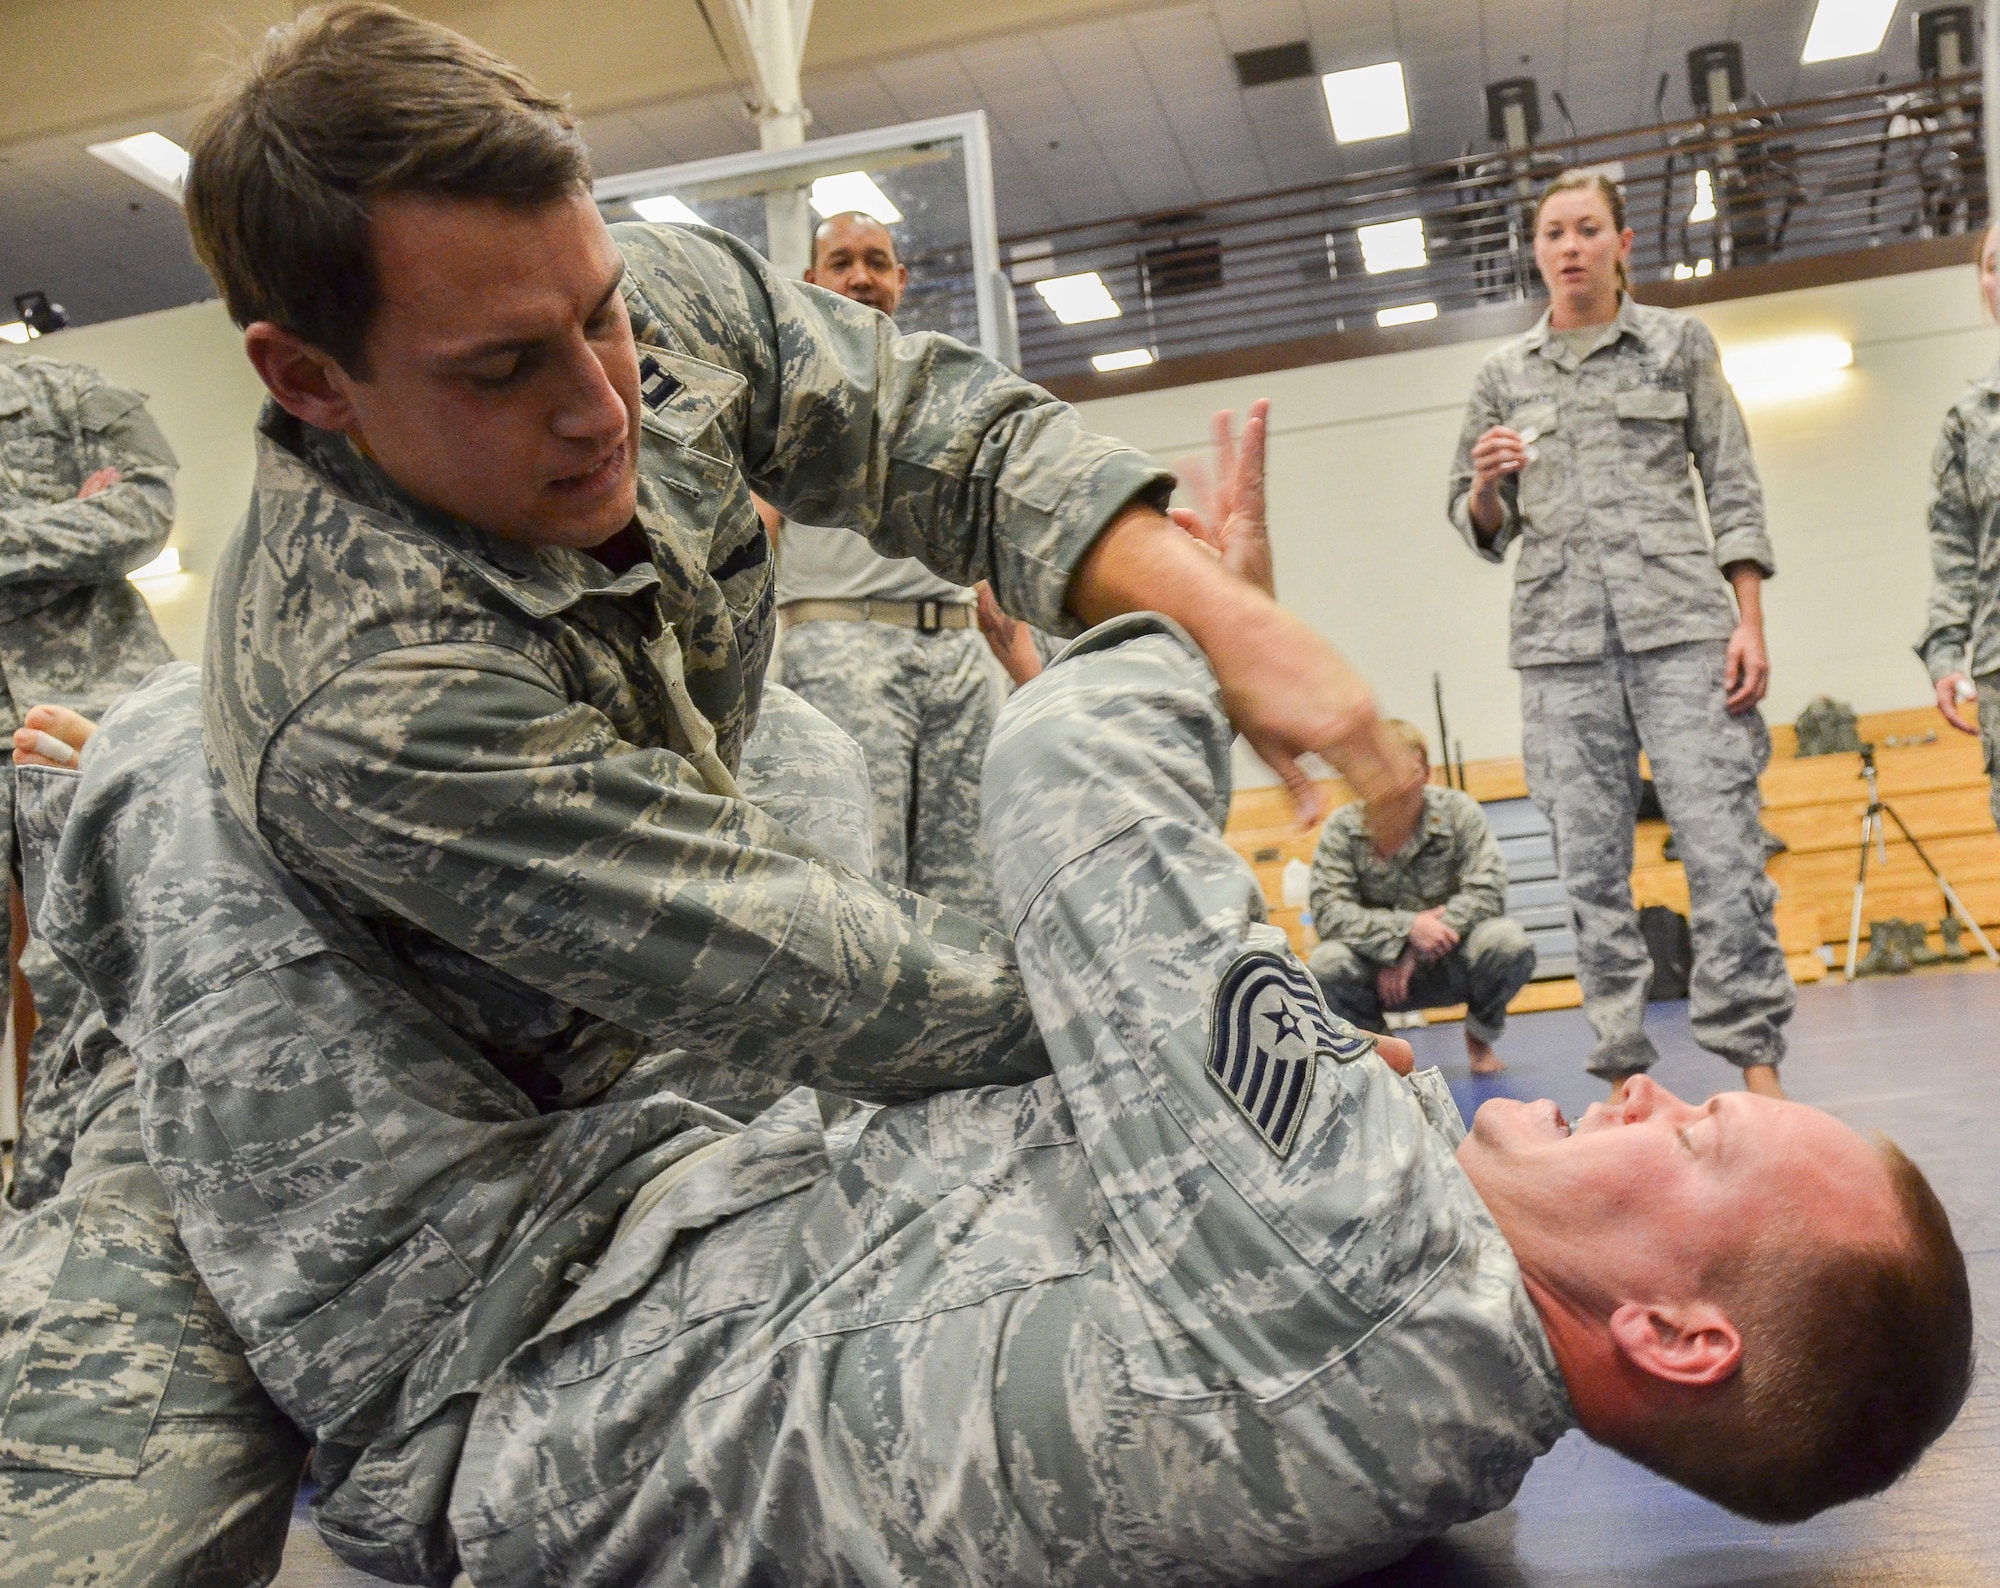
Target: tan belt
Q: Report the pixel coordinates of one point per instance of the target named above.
(926, 617)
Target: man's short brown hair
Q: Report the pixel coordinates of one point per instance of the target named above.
(1854, 1361)
(345, 105)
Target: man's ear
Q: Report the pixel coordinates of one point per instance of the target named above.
(305, 382)
(1692, 1345)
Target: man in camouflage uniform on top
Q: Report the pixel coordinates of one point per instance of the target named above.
(1421, 927)
(504, 768)
(86, 496)
(890, 651)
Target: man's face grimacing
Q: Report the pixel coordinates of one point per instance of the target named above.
(1651, 1199)
(855, 256)
(502, 383)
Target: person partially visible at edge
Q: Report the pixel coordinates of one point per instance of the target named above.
(1423, 926)
(86, 497)
(1961, 639)
(1632, 630)
(895, 655)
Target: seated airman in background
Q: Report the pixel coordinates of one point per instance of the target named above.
(1423, 926)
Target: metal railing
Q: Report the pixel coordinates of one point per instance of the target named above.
(1756, 185)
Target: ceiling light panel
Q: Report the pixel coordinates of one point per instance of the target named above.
(853, 190)
(1406, 314)
(1394, 245)
(664, 208)
(147, 157)
(1076, 299)
(1367, 102)
(1841, 28)
(1131, 358)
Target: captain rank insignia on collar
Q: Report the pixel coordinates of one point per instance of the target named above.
(656, 382)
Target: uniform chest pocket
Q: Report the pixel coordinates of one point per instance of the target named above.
(1649, 402)
(1653, 425)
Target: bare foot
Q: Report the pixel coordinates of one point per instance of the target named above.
(1763, 1080)
(1481, 1057)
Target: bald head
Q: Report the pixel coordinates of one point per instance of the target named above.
(854, 255)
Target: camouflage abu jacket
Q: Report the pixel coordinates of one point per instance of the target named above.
(1606, 512)
(73, 631)
(1962, 625)
(518, 768)
(1366, 902)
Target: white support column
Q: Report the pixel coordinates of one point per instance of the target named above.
(775, 32)
(1989, 54)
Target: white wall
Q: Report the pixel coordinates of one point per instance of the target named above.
(205, 396)
(1360, 449)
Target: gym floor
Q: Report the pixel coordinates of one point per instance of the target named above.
(1912, 1056)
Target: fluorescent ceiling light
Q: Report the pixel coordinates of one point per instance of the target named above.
(1367, 102)
(1075, 299)
(664, 208)
(1704, 199)
(164, 566)
(1846, 27)
(853, 190)
(1131, 358)
(1408, 314)
(1796, 366)
(14, 331)
(150, 158)
(1394, 245)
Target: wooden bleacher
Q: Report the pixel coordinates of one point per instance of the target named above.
(1814, 804)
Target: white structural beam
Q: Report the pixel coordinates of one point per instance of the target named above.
(1989, 51)
(774, 32)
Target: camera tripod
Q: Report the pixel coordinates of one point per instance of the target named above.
(1872, 832)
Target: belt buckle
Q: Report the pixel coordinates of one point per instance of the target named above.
(930, 617)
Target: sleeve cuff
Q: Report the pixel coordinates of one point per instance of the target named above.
(1745, 545)
(1034, 588)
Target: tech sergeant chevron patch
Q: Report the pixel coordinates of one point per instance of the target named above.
(1267, 1031)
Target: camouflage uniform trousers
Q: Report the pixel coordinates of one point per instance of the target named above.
(136, 1448)
(921, 706)
(1988, 685)
(1492, 962)
(1584, 724)
(1098, 1329)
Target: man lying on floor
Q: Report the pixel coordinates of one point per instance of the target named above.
(1224, 1299)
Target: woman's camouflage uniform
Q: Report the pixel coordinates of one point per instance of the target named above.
(1620, 619)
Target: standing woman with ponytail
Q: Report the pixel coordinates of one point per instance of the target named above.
(1626, 632)
(1961, 643)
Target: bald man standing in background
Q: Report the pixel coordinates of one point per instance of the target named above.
(891, 652)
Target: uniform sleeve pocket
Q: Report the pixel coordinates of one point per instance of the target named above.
(105, 406)
(1650, 403)
(332, 1359)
